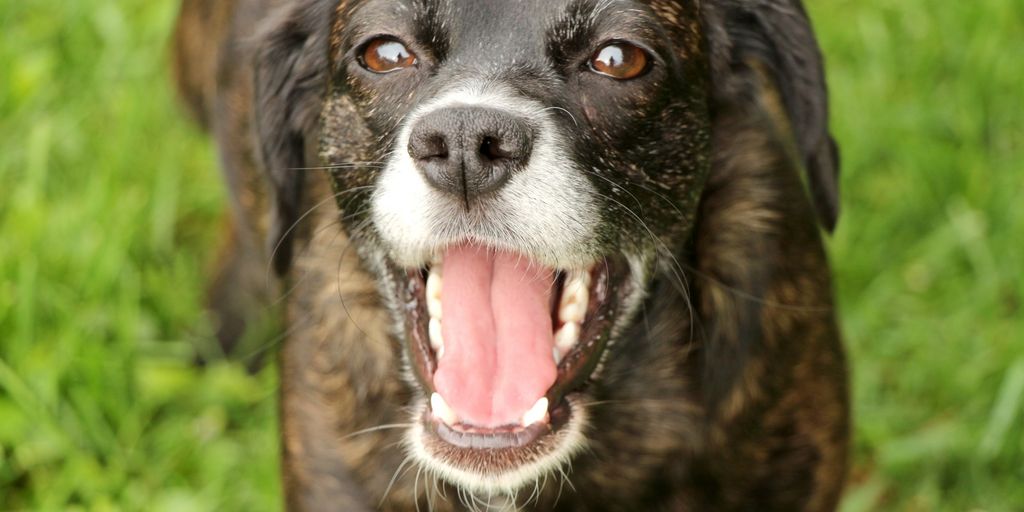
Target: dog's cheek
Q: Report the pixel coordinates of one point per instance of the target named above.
(347, 150)
(383, 101)
(674, 158)
(677, 149)
(613, 110)
(653, 153)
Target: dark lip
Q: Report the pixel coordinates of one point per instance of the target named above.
(609, 286)
(498, 439)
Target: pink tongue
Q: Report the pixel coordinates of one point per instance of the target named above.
(497, 335)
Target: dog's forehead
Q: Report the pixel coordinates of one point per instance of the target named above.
(517, 29)
(479, 32)
(504, 27)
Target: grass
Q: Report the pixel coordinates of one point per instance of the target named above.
(928, 110)
(109, 206)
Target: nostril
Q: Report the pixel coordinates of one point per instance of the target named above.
(437, 148)
(490, 149)
(428, 147)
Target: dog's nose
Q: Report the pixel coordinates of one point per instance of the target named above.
(470, 151)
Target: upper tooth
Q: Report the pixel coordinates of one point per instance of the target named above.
(536, 413)
(571, 312)
(442, 411)
(436, 340)
(578, 283)
(575, 297)
(567, 336)
(434, 292)
(557, 354)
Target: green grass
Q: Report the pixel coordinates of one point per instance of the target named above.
(109, 207)
(929, 111)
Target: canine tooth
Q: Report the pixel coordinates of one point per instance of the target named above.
(436, 340)
(442, 410)
(580, 278)
(536, 413)
(434, 294)
(575, 297)
(566, 337)
(571, 311)
(434, 307)
(577, 291)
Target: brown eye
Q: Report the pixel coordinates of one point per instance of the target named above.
(619, 60)
(384, 55)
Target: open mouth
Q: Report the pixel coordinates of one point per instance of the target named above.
(500, 344)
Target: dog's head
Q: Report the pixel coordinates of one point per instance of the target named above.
(517, 174)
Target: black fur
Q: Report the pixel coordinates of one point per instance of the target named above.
(777, 34)
(289, 82)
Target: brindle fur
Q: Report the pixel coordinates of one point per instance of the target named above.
(733, 396)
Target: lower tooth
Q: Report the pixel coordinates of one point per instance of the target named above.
(436, 340)
(567, 336)
(442, 410)
(536, 413)
(557, 354)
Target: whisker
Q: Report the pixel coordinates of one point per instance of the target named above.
(344, 165)
(561, 483)
(416, 487)
(394, 478)
(341, 295)
(277, 247)
(335, 223)
(676, 267)
(566, 113)
(378, 428)
(649, 190)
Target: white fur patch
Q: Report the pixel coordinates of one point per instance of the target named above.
(569, 440)
(548, 210)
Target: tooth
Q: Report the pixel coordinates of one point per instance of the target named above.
(575, 297)
(557, 354)
(571, 312)
(578, 284)
(536, 413)
(436, 340)
(567, 336)
(442, 411)
(434, 307)
(434, 293)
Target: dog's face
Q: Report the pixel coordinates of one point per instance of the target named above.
(527, 164)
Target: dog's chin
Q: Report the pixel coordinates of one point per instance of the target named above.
(495, 451)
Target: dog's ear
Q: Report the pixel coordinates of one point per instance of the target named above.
(778, 36)
(289, 73)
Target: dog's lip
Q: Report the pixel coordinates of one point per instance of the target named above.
(580, 363)
(510, 438)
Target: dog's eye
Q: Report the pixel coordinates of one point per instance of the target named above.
(384, 55)
(619, 60)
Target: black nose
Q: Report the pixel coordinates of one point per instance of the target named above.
(470, 151)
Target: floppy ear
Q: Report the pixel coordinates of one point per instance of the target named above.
(778, 35)
(289, 72)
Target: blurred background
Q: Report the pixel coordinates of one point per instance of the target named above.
(110, 202)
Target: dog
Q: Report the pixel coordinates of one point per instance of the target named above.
(532, 254)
